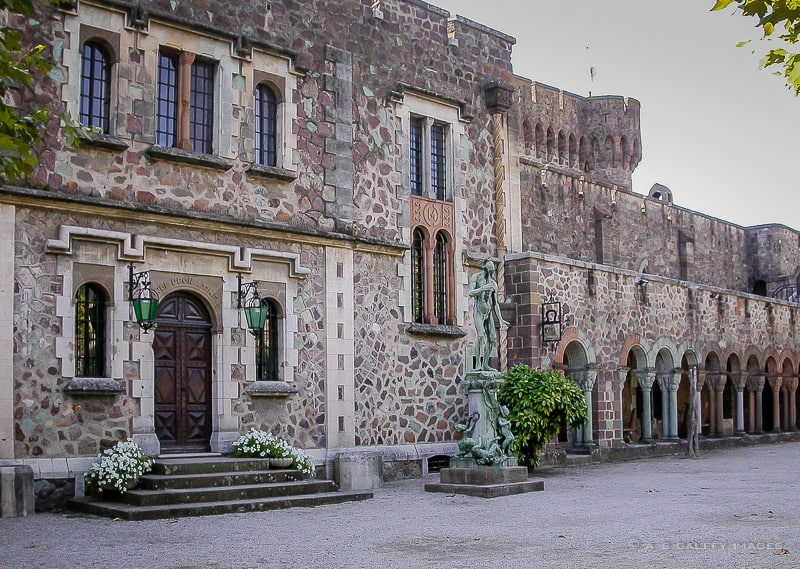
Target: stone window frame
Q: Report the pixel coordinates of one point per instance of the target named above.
(91, 328)
(277, 73)
(95, 105)
(428, 213)
(191, 45)
(188, 66)
(100, 26)
(78, 273)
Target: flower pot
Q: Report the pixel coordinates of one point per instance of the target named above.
(280, 462)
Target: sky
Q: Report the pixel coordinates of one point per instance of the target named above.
(718, 131)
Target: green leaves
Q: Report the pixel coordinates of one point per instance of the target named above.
(775, 17)
(540, 403)
(20, 129)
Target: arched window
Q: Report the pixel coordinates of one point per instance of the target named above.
(267, 354)
(90, 331)
(95, 86)
(418, 275)
(440, 278)
(266, 126)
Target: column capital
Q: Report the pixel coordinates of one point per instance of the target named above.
(718, 382)
(775, 382)
(790, 383)
(738, 379)
(755, 382)
(646, 378)
(622, 373)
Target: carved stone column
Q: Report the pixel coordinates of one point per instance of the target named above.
(702, 377)
(775, 383)
(646, 381)
(428, 312)
(718, 385)
(739, 381)
(664, 379)
(674, 384)
(784, 404)
(185, 62)
(755, 383)
(791, 389)
(585, 378)
(711, 377)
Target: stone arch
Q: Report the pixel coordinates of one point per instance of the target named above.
(574, 334)
(733, 397)
(770, 397)
(562, 147)
(538, 136)
(527, 136)
(551, 144)
(631, 396)
(583, 154)
(580, 366)
(609, 154)
(712, 375)
(664, 359)
(625, 148)
(573, 150)
(595, 159)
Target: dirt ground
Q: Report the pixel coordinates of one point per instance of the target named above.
(737, 508)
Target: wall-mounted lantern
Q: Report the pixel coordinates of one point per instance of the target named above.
(552, 318)
(142, 297)
(255, 312)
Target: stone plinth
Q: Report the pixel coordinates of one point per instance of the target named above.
(16, 491)
(485, 481)
(358, 470)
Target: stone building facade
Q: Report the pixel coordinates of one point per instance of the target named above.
(356, 160)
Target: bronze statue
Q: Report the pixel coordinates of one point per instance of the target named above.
(483, 288)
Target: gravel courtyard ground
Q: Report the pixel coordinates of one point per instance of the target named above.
(737, 508)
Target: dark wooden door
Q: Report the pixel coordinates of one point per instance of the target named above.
(182, 350)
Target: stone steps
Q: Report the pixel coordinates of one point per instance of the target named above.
(206, 486)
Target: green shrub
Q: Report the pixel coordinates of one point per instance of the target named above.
(539, 404)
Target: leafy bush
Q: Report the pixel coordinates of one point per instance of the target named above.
(119, 468)
(261, 444)
(539, 404)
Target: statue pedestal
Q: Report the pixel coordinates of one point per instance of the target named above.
(482, 389)
(466, 474)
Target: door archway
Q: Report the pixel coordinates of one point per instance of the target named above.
(182, 354)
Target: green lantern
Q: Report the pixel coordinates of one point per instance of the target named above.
(143, 299)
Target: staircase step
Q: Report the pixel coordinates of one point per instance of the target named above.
(140, 497)
(164, 481)
(206, 465)
(91, 505)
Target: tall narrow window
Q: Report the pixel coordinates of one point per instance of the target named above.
(418, 275)
(440, 278)
(167, 103)
(438, 162)
(266, 126)
(189, 128)
(90, 331)
(95, 86)
(201, 121)
(267, 345)
(428, 158)
(415, 143)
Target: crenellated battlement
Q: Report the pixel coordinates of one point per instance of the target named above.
(596, 136)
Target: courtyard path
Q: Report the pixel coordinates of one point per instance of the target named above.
(737, 508)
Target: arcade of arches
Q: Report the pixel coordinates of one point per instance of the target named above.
(648, 398)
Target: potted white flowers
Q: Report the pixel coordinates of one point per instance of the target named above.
(261, 444)
(118, 470)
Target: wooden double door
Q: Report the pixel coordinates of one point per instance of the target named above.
(182, 350)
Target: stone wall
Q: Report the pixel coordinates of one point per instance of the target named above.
(567, 216)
